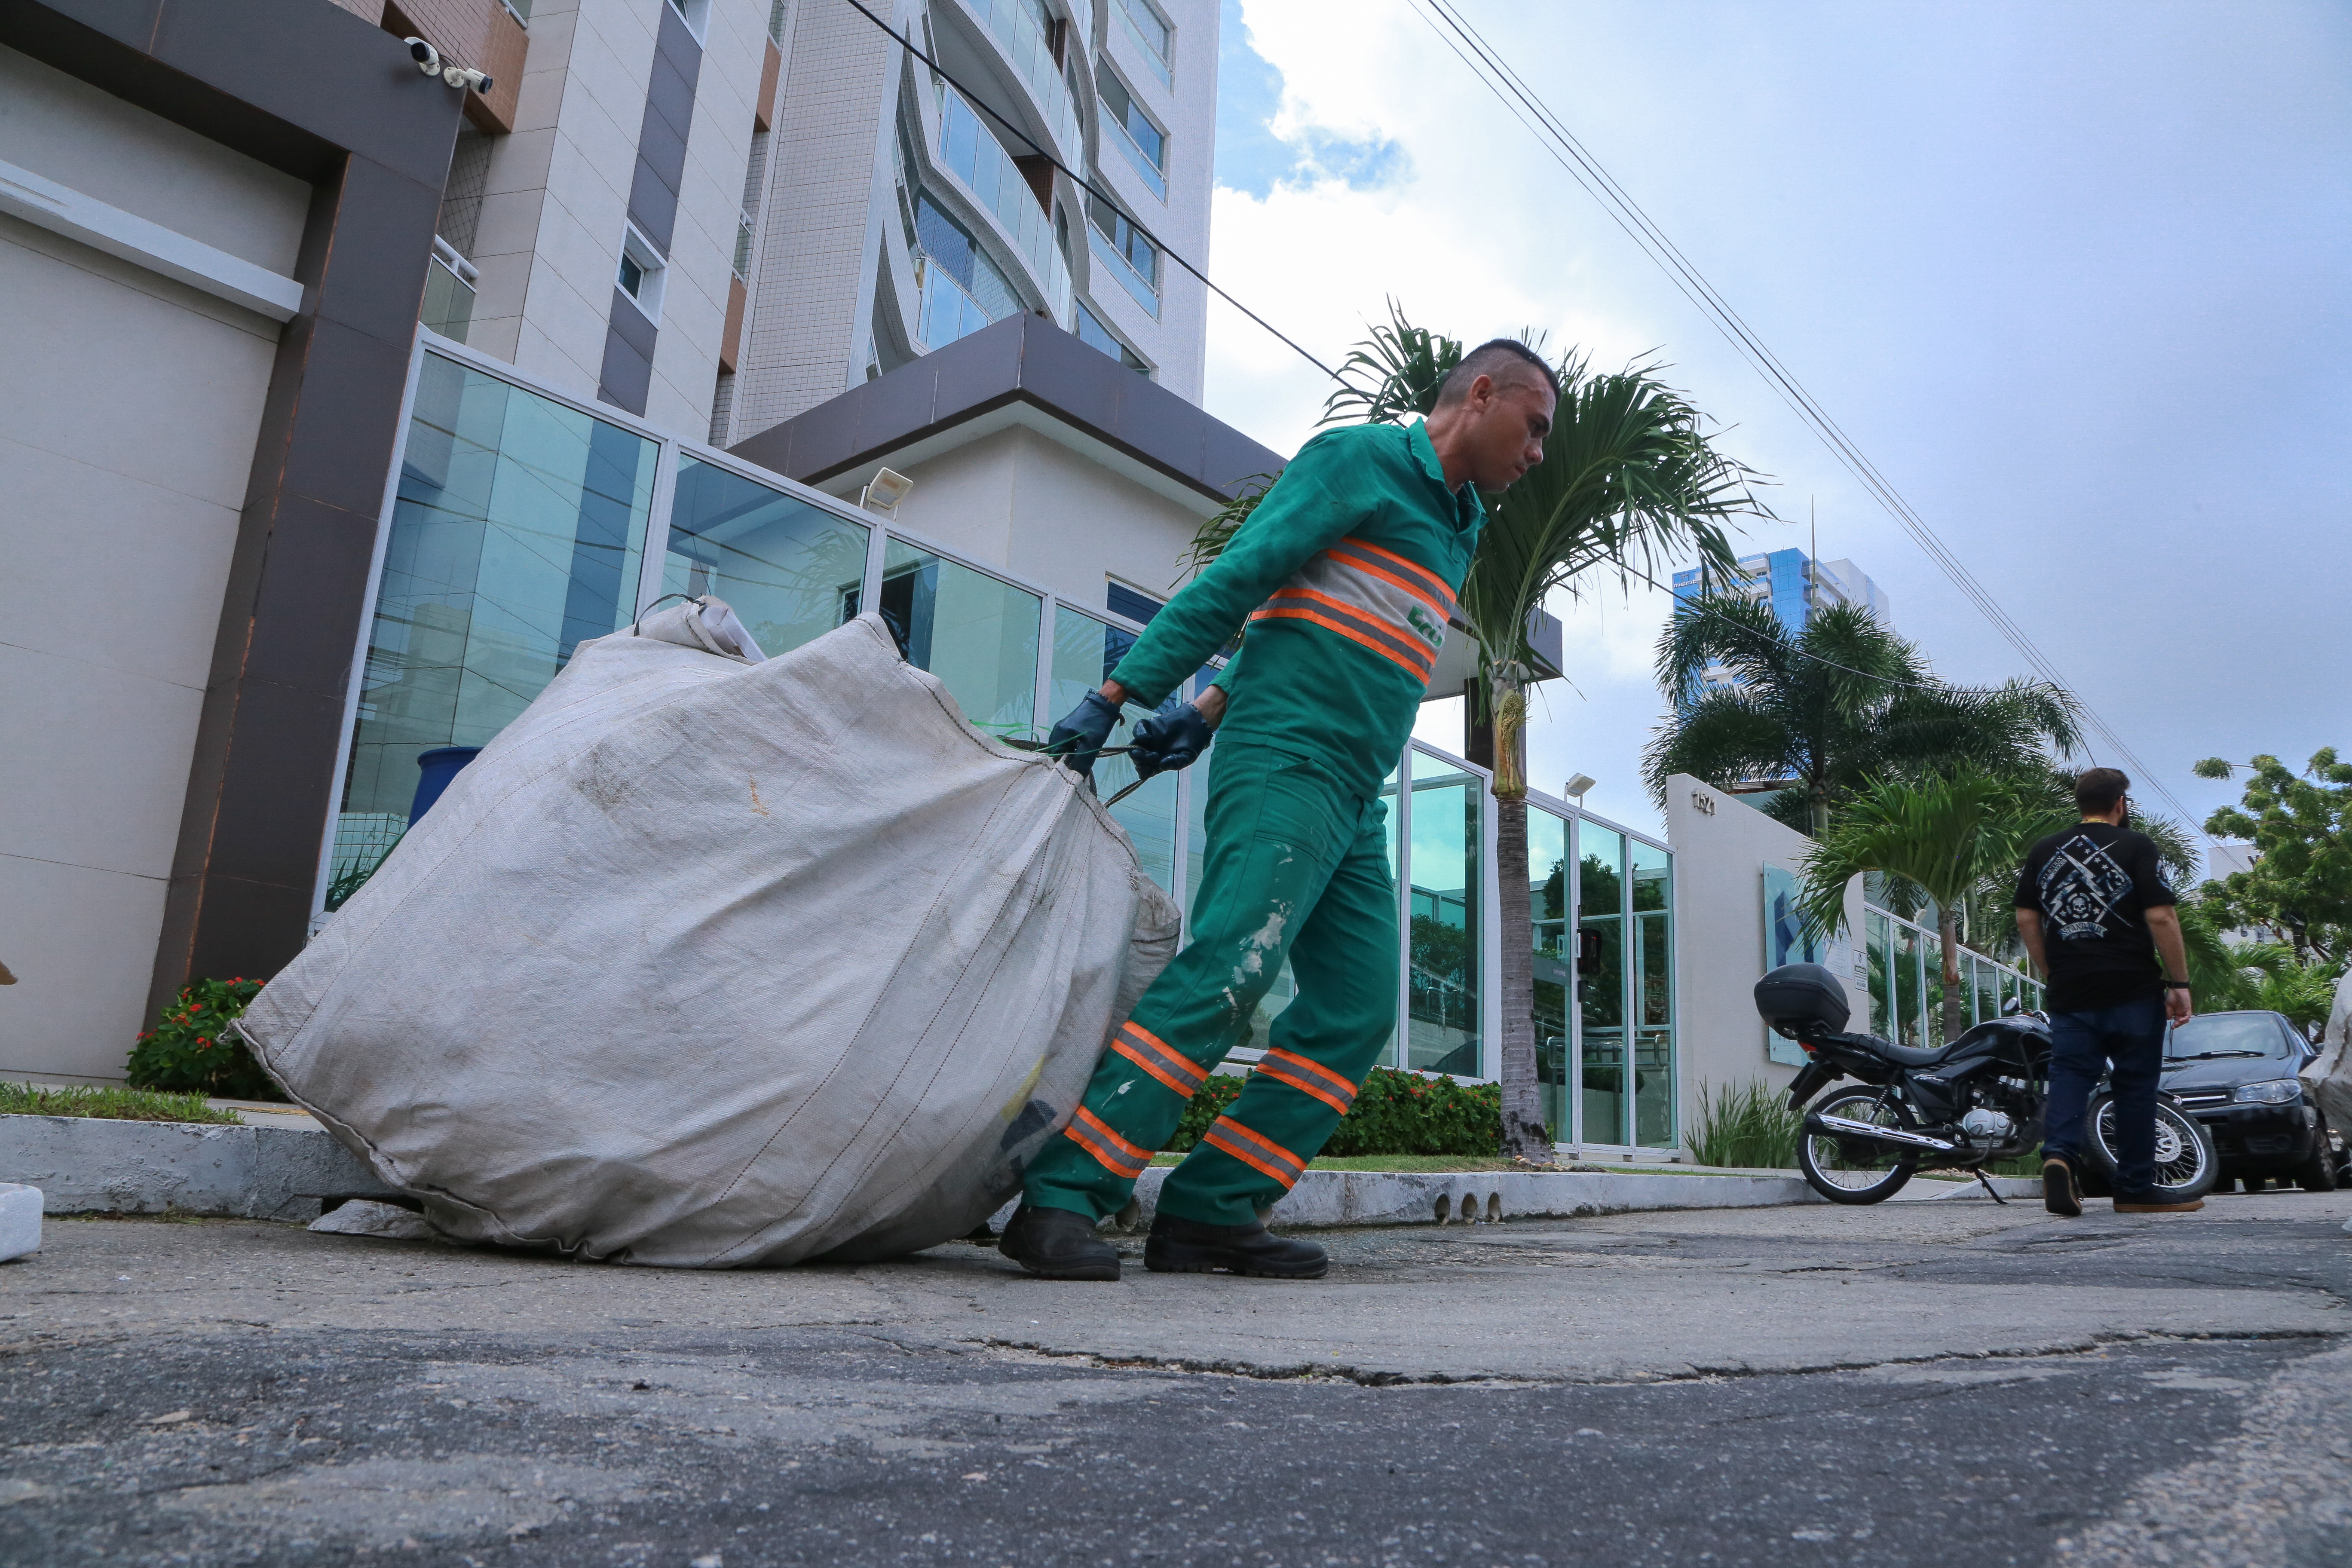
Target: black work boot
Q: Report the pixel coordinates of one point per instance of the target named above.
(2061, 1195)
(1187, 1247)
(1058, 1244)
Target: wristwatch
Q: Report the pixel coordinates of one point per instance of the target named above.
(2179, 986)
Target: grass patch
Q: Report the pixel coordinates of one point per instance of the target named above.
(1748, 1124)
(110, 1104)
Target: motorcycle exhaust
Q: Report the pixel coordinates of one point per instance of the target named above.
(1841, 1127)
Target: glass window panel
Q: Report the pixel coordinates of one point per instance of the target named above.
(1443, 938)
(1986, 990)
(1653, 876)
(1653, 1089)
(1548, 921)
(1931, 992)
(518, 532)
(1905, 994)
(791, 570)
(1601, 987)
(977, 634)
(1880, 941)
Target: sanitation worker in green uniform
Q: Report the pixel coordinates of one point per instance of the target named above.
(1345, 576)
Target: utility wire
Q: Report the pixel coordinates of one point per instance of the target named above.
(1091, 189)
(1512, 90)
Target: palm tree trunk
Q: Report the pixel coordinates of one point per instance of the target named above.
(1947, 926)
(1523, 1124)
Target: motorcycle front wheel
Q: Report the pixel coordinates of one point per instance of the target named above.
(2186, 1164)
(1854, 1174)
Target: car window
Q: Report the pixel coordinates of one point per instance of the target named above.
(2232, 1031)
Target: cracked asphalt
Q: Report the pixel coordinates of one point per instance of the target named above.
(1925, 1384)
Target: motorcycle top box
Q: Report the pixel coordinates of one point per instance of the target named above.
(1802, 998)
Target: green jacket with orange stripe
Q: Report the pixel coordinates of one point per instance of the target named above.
(1344, 574)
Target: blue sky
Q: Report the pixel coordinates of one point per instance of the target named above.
(2073, 276)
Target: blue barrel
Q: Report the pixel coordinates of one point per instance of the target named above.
(434, 769)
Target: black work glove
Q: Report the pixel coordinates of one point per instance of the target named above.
(1166, 741)
(1078, 739)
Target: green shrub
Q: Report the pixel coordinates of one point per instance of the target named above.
(109, 1104)
(188, 1051)
(1750, 1124)
(1394, 1113)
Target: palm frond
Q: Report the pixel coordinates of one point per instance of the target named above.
(1394, 373)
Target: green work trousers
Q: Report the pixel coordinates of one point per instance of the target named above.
(1296, 868)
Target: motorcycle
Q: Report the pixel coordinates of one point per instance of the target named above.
(1978, 1101)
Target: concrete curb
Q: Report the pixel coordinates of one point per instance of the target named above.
(20, 1221)
(1323, 1199)
(85, 1165)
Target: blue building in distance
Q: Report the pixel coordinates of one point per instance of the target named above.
(1792, 583)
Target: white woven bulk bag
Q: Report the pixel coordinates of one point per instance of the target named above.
(707, 963)
(2327, 1077)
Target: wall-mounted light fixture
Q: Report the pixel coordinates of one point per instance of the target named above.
(1575, 787)
(885, 491)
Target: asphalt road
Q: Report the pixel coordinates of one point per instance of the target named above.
(1923, 1384)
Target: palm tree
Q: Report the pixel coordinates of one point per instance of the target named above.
(1826, 708)
(1945, 837)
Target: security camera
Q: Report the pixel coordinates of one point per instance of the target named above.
(427, 58)
(464, 77)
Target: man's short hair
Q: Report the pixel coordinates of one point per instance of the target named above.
(2096, 790)
(1494, 359)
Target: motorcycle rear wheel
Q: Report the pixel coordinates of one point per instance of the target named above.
(2187, 1165)
(1869, 1178)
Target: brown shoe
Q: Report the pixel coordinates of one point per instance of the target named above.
(2191, 1206)
(2061, 1193)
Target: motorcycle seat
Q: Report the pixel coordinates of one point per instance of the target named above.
(1910, 1057)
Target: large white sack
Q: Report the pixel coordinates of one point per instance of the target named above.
(2327, 1077)
(707, 962)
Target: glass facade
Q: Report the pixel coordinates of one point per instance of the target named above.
(1602, 979)
(976, 632)
(969, 153)
(1549, 899)
(517, 533)
(1443, 907)
(1650, 885)
(1906, 981)
(792, 571)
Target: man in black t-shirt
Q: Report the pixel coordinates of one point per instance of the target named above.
(2094, 910)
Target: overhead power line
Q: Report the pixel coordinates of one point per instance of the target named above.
(1513, 91)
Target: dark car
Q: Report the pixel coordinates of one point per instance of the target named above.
(2235, 1072)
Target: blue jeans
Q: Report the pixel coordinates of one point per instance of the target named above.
(2130, 1034)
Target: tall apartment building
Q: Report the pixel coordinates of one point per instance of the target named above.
(716, 214)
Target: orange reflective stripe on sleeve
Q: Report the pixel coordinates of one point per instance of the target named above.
(1308, 1078)
(1154, 1056)
(1115, 1153)
(1259, 1153)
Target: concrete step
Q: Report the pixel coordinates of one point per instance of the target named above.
(87, 1164)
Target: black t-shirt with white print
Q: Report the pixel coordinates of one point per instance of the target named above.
(2092, 885)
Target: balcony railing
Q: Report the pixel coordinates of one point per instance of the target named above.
(1107, 255)
(968, 152)
(1136, 155)
(1015, 24)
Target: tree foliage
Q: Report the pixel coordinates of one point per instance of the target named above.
(2301, 827)
(1829, 709)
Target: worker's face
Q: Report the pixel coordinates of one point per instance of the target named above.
(1508, 421)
